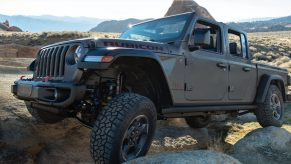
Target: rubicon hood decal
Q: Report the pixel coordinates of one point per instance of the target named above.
(142, 45)
(132, 45)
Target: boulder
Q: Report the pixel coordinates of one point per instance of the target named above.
(14, 29)
(3, 27)
(183, 6)
(6, 23)
(270, 145)
(185, 157)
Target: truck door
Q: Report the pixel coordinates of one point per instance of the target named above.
(206, 69)
(240, 68)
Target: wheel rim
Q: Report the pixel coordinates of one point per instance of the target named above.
(275, 106)
(134, 138)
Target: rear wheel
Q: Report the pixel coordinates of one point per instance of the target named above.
(271, 111)
(198, 121)
(124, 129)
(44, 117)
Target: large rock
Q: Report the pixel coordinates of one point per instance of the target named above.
(270, 145)
(185, 157)
(17, 51)
(6, 23)
(3, 26)
(14, 29)
(183, 6)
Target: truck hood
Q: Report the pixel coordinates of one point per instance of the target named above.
(128, 43)
(120, 43)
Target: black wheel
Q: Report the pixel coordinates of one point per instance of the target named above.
(271, 112)
(124, 129)
(43, 117)
(198, 121)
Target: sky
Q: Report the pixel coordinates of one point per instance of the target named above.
(221, 10)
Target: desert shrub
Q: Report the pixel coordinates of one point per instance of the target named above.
(284, 59)
(34, 39)
(253, 49)
(260, 56)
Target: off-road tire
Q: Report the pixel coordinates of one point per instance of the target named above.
(43, 117)
(112, 124)
(264, 113)
(198, 121)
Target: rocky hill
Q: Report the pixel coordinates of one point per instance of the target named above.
(116, 26)
(278, 24)
(177, 7)
(183, 6)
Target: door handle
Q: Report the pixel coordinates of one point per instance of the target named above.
(246, 69)
(221, 65)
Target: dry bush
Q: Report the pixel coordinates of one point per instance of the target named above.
(272, 48)
(218, 144)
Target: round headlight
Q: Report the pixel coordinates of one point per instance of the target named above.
(78, 53)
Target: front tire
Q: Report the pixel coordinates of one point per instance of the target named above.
(124, 129)
(271, 111)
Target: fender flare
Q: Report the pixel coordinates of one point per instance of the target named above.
(121, 52)
(116, 52)
(264, 85)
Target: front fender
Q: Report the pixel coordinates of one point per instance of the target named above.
(116, 52)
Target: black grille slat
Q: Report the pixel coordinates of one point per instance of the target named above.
(44, 63)
(62, 61)
(40, 63)
(57, 61)
(52, 65)
(48, 64)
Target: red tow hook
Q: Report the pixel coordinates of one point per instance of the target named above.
(47, 78)
(22, 77)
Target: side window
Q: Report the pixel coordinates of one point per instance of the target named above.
(237, 44)
(214, 36)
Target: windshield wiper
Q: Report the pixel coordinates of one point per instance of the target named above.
(149, 40)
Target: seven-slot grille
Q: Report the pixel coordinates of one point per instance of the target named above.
(52, 62)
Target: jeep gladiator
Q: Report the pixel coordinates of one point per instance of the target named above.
(182, 66)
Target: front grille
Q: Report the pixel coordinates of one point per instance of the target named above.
(52, 62)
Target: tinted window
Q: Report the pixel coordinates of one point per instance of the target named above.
(237, 40)
(168, 29)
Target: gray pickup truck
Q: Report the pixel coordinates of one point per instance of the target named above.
(182, 66)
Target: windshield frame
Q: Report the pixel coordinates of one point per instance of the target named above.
(188, 21)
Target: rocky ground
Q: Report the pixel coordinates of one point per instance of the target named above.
(22, 140)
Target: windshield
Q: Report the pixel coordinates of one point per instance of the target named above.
(163, 30)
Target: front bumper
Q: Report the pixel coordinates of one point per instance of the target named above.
(51, 94)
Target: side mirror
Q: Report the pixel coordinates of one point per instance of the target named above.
(193, 48)
(202, 37)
